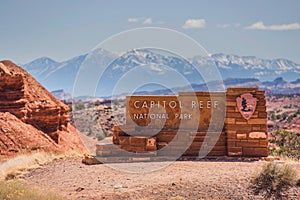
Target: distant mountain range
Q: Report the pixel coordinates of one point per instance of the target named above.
(55, 75)
(277, 86)
(235, 70)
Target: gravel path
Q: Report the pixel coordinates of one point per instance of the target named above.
(188, 179)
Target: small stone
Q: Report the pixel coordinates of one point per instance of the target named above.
(79, 189)
(118, 186)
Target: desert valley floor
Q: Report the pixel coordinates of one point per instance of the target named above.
(187, 179)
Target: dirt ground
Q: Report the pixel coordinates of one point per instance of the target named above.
(188, 179)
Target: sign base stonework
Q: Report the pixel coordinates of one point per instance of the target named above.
(155, 123)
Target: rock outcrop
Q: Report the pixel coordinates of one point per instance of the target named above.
(19, 137)
(22, 96)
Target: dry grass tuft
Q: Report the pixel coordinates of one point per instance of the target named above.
(12, 168)
(274, 179)
(16, 190)
(15, 167)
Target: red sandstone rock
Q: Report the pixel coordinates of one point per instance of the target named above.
(257, 135)
(19, 137)
(22, 96)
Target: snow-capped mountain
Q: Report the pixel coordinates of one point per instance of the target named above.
(158, 66)
(136, 67)
(233, 66)
(41, 67)
(55, 75)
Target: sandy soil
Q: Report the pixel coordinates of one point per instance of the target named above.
(188, 179)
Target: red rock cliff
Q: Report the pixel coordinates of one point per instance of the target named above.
(22, 96)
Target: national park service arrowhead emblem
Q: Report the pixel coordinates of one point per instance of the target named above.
(246, 104)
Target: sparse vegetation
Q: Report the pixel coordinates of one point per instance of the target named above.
(285, 143)
(271, 115)
(273, 179)
(16, 190)
(79, 105)
(291, 117)
(15, 167)
(11, 170)
(283, 112)
(97, 119)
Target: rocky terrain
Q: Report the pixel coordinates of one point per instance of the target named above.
(185, 179)
(284, 112)
(97, 121)
(30, 115)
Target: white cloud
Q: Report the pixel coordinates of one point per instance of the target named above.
(148, 21)
(194, 23)
(223, 25)
(143, 20)
(278, 27)
(132, 20)
(237, 25)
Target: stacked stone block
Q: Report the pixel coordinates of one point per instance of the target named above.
(240, 136)
(190, 143)
(123, 143)
(246, 137)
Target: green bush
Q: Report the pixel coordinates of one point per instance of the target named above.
(273, 179)
(286, 144)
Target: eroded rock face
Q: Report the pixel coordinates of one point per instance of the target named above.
(22, 96)
(19, 137)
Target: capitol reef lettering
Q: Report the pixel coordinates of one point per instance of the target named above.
(170, 111)
(138, 104)
(173, 104)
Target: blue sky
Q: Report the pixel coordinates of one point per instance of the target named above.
(61, 29)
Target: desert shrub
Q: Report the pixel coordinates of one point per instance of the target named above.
(285, 143)
(284, 116)
(79, 105)
(273, 179)
(291, 117)
(271, 115)
(278, 116)
(16, 190)
(298, 183)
